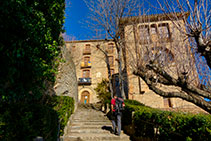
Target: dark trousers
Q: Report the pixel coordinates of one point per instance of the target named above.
(116, 122)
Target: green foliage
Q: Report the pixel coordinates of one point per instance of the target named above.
(24, 121)
(64, 106)
(102, 90)
(163, 125)
(133, 102)
(131, 106)
(30, 39)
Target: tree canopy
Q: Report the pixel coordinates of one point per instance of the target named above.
(30, 39)
(102, 90)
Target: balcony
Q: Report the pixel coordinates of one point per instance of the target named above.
(84, 81)
(87, 52)
(86, 65)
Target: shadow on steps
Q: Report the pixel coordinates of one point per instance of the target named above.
(108, 128)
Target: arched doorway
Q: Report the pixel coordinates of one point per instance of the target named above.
(85, 97)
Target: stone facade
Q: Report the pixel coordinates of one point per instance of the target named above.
(90, 66)
(176, 51)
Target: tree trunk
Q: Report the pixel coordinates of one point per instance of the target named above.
(109, 76)
(187, 95)
(121, 83)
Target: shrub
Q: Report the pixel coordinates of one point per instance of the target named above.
(164, 125)
(102, 90)
(25, 121)
(133, 102)
(131, 106)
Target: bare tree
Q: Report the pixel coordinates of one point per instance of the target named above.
(105, 17)
(198, 23)
(175, 66)
(161, 66)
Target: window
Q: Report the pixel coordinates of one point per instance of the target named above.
(139, 86)
(110, 48)
(86, 60)
(111, 60)
(167, 102)
(73, 48)
(87, 49)
(86, 74)
(163, 30)
(144, 33)
(153, 29)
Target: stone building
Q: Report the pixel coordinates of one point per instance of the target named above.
(91, 66)
(156, 31)
(156, 36)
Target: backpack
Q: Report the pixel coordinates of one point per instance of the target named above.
(119, 105)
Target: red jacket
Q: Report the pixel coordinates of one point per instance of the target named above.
(113, 102)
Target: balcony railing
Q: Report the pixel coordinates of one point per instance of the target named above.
(87, 51)
(84, 81)
(86, 65)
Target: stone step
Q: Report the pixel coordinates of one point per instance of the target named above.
(91, 123)
(83, 117)
(88, 115)
(88, 124)
(85, 112)
(97, 131)
(92, 120)
(95, 137)
(91, 127)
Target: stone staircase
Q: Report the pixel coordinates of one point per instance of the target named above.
(90, 124)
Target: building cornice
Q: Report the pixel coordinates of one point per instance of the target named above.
(153, 18)
(85, 41)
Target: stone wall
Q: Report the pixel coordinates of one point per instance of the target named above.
(66, 81)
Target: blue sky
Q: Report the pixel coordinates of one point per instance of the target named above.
(76, 14)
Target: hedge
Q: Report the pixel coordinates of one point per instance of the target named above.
(164, 125)
(25, 121)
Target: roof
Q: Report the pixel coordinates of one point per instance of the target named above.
(153, 18)
(85, 41)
